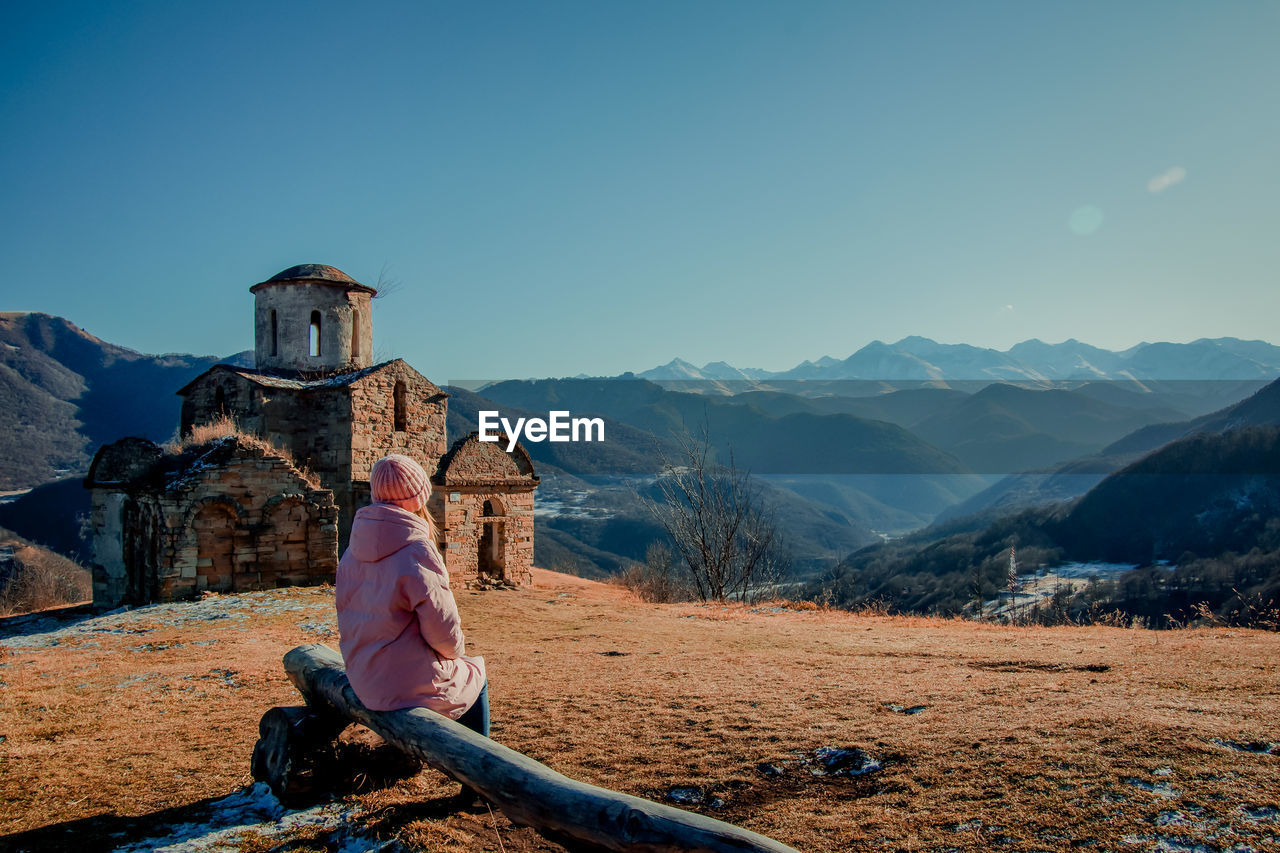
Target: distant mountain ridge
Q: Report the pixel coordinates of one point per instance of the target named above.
(919, 359)
(1075, 477)
(795, 442)
(65, 392)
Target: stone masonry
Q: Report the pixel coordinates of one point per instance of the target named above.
(227, 516)
(335, 426)
(312, 319)
(485, 499)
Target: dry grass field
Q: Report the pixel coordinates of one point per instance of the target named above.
(134, 730)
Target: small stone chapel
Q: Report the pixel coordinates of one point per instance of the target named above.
(271, 505)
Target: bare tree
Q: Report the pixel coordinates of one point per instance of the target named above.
(721, 526)
(662, 578)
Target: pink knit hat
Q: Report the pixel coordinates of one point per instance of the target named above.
(396, 479)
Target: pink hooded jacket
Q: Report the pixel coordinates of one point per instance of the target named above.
(398, 624)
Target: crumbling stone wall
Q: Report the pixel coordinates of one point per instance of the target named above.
(336, 426)
(218, 392)
(231, 516)
(310, 419)
(114, 469)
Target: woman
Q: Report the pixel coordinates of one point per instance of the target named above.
(398, 624)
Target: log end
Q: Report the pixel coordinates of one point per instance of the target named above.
(304, 756)
(290, 740)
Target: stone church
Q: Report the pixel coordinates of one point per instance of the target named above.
(271, 502)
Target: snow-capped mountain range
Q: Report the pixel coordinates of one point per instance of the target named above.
(921, 359)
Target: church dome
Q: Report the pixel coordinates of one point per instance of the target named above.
(318, 273)
(312, 319)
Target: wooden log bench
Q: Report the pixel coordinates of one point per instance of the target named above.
(581, 816)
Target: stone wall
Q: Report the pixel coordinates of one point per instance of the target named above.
(113, 472)
(335, 426)
(311, 420)
(471, 460)
(417, 430)
(493, 542)
(232, 516)
(106, 544)
(505, 550)
(342, 313)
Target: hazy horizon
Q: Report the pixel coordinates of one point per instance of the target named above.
(470, 379)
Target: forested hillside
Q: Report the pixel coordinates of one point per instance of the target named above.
(66, 392)
(1199, 520)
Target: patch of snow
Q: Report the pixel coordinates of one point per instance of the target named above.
(324, 629)
(1160, 789)
(1042, 585)
(568, 503)
(1258, 747)
(1197, 833)
(1088, 570)
(1160, 844)
(1260, 814)
(1172, 818)
(686, 795)
(254, 810)
(228, 676)
(48, 632)
(840, 761)
(155, 647)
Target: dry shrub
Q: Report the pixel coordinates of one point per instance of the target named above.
(201, 434)
(1245, 610)
(873, 607)
(791, 605)
(37, 579)
(637, 578)
(659, 578)
(225, 426)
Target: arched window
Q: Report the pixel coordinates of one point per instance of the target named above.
(275, 334)
(313, 338)
(488, 508)
(355, 332)
(402, 416)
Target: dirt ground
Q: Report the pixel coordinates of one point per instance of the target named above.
(133, 730)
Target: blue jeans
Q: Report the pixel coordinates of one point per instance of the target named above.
(476, 717)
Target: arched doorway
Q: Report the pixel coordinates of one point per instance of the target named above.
(491, 560)
(140, 531)
(138, 575)
(289, 523)
(215, 528)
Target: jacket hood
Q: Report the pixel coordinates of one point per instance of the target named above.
(380, 530)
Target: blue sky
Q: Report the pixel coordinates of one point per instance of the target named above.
(557, 187)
